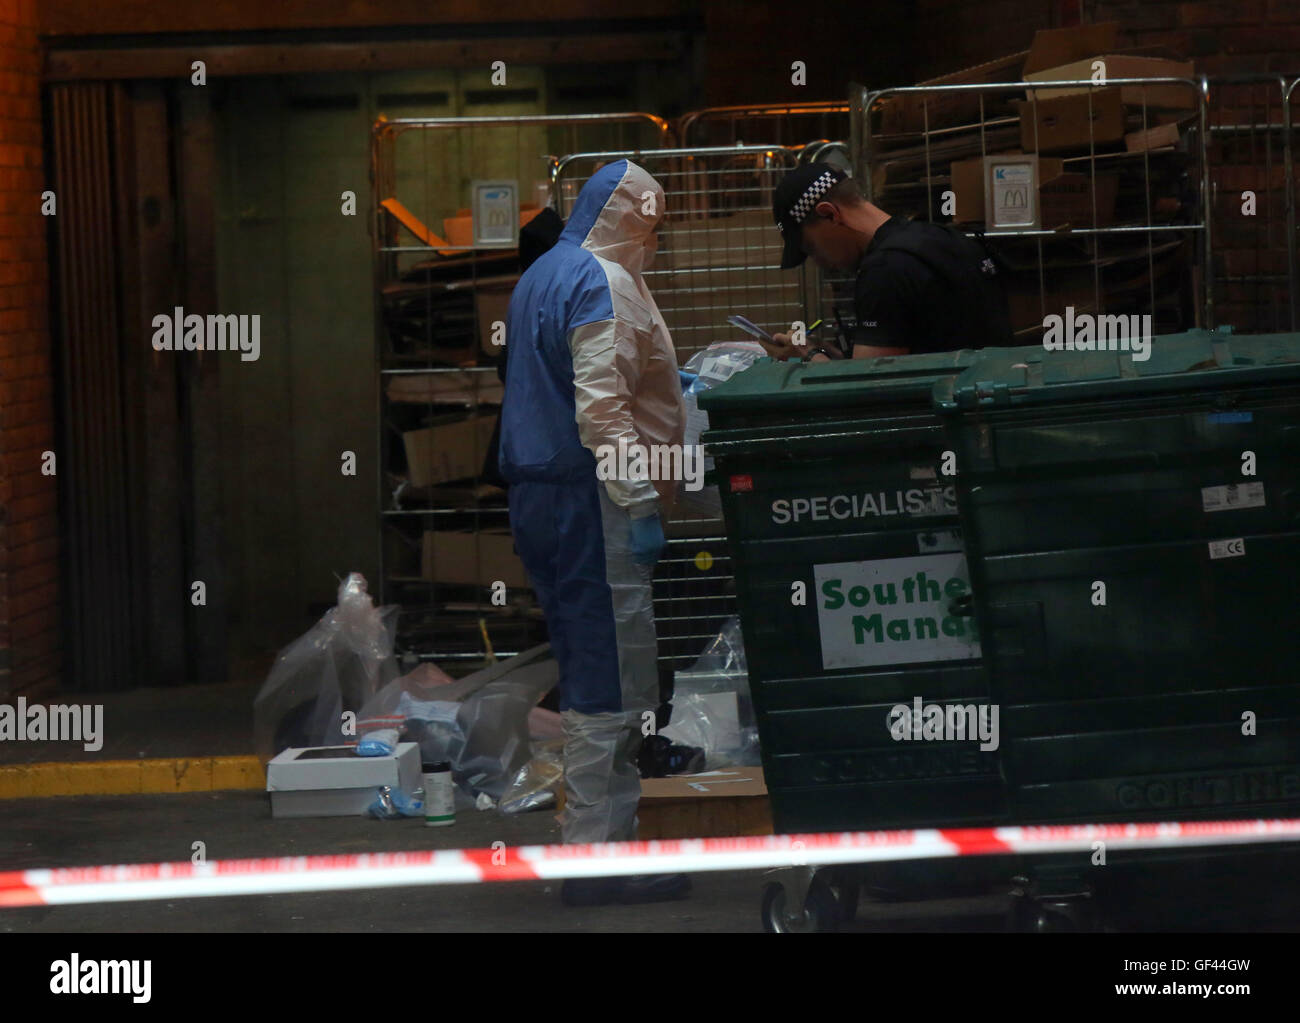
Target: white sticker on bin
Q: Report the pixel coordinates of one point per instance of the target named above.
(1227, 548)
(893, 611)
(939, 540)
(1233, 495)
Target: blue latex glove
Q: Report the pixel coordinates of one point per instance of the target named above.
(687, 379)
(647, 539)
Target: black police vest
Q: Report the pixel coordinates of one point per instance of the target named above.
(973, 274)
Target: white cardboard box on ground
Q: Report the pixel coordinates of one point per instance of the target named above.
(332, 781)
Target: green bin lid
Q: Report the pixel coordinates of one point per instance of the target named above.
(1199, 360)
(769, 385)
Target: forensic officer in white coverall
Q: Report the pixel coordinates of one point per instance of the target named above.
(591, 369)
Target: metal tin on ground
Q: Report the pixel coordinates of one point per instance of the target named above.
(439, 796)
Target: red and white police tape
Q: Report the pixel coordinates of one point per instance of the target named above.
(555, 862)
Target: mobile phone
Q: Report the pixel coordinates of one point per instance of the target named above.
(752, 329)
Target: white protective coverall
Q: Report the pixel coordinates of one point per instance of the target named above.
(590, 368)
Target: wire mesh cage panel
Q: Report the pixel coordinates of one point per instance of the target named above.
(1252, 201)
(719, 251)
(446, 555)
(787, 124)
(719, 254)
(1113, 220)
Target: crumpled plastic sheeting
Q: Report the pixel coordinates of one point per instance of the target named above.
(495, 724)
(533, 787)
(417, 695)
(336, 666)
(712, 708)
(712, 365)
(479, 723)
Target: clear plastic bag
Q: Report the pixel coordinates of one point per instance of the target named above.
(712, 365)
(392, 803)
(712, 708)
(724, 657)
(494, 720)
(480, 723)
(335, 667)
(533, 786)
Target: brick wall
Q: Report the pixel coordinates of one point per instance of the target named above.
(1223, 36)
(1234, 37)
(949, 35)
(29, 566)
(749, 49)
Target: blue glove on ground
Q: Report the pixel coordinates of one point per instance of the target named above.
(647, 539)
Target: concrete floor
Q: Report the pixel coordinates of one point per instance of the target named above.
(117, 829)
(72, 831)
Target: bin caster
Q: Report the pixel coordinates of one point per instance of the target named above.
(846, 889)
(821, 911)
(1042, 913)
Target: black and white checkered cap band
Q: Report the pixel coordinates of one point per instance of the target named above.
(805, 203)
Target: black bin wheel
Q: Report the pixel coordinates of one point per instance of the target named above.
(821, 912)
(1050, 916)
(847, 890)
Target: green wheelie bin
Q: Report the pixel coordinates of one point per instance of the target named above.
(853, 597)
(1132, 529)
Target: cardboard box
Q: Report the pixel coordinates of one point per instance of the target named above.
(1161, 135)
(448, 451)
(718, 804)
(967, 178)
(913, 111)
(1124, 65)
(1070, 122)
(472, 559)
(968, 190)
(734, 781)
(1053, 47)
(334, 781)
(1064, 198)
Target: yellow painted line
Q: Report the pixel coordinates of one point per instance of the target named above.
(131, 777)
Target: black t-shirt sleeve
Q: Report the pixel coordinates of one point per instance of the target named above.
(885, 298)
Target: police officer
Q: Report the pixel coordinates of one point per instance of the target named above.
(919, 287)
